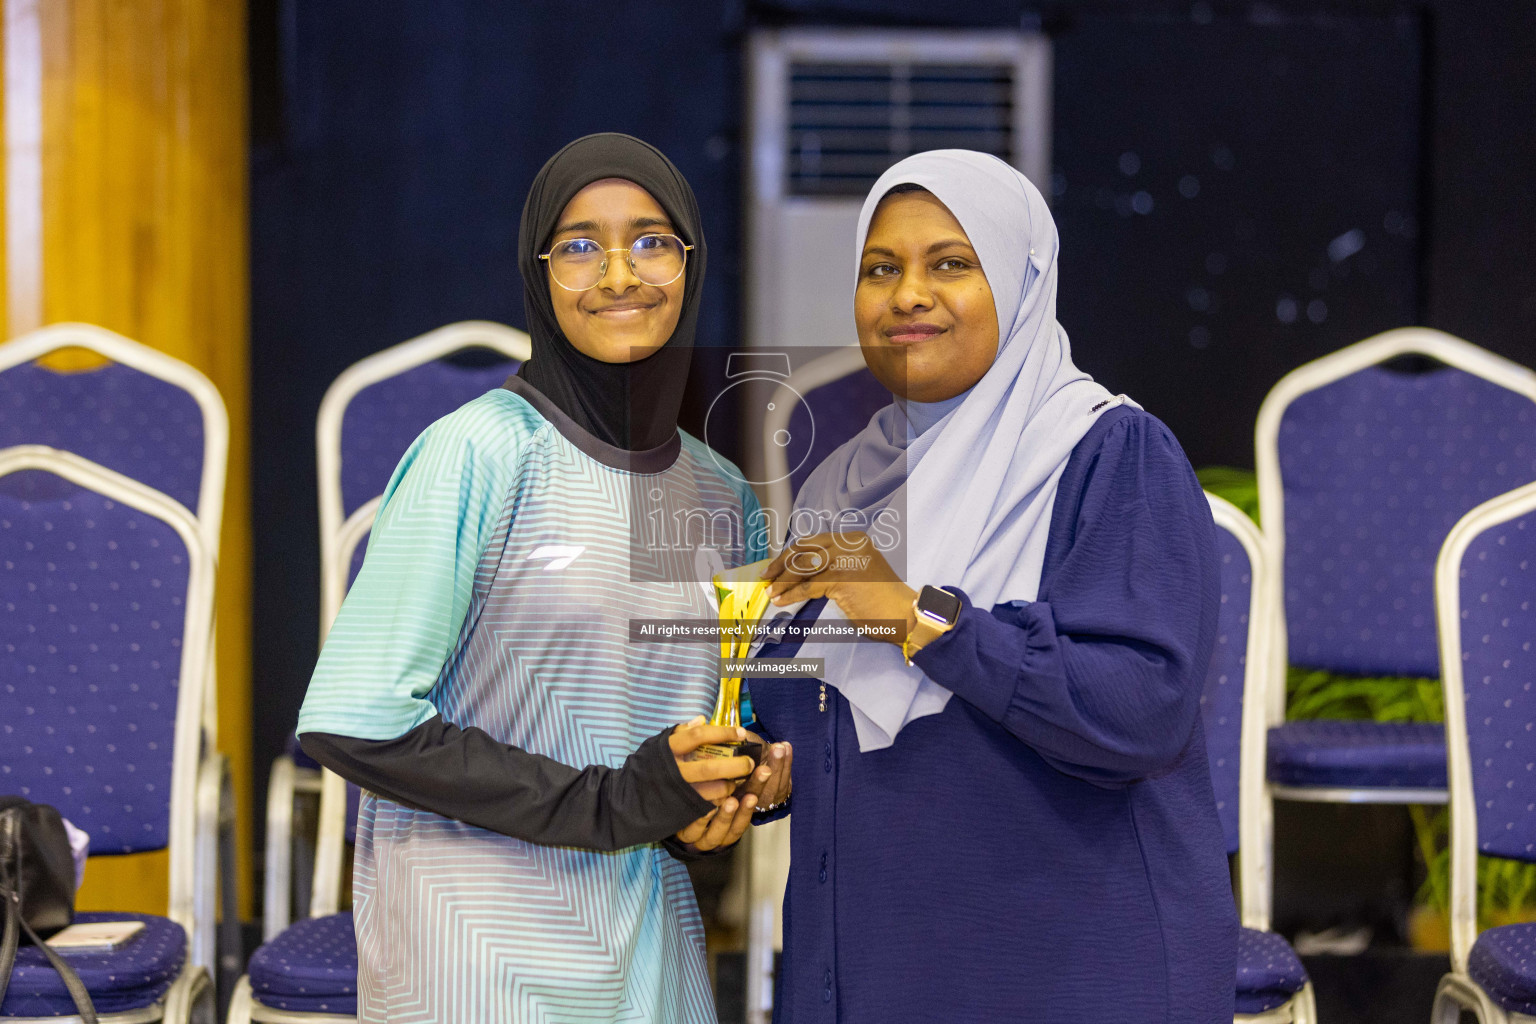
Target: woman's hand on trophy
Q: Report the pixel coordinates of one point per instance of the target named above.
(768, 787)
(771, 782)
(849, 570)
(713, 778)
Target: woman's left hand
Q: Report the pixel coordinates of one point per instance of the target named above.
(848, 569)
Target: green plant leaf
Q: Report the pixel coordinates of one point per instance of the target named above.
(1239, 486)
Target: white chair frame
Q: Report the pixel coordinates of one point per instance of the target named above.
(330, 845)
(330, 862)
(210, 498)
(331, 841)
(819, 372)
(1457, 990)
(198, 779)
(209, 518)
(285, 783)
(154, 363)
(381, 366)
(339, 536)
(1255, 812)
(1255, 820)
(1422, 341)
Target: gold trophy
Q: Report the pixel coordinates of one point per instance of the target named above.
(742, 597)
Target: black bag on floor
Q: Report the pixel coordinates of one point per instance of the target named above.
(37, 888)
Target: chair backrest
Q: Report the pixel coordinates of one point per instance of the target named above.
(144, 414)
(107, 593)
(1485, 596)
(370, 415)
(374, 410)
(1363, 470)
(820, 405)
(1232, 706)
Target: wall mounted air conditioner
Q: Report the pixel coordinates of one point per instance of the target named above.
(830, 110)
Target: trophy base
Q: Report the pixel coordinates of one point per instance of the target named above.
(742, 748)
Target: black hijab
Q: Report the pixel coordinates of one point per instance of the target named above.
(633, 406)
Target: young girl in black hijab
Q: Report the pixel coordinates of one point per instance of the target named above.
(483, 653)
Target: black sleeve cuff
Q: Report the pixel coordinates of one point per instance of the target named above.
(467, 775)
(657, 790)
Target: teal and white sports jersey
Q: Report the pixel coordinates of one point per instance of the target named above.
(497, 592)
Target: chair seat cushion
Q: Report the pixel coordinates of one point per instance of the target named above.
(1268, 971)
(1358, 755)
(135, 975)
(1503, 962)
(311, 967)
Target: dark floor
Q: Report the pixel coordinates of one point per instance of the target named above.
(1380, 986)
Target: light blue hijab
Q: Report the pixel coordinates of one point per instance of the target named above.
(973, 478)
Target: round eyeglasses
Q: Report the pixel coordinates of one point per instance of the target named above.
(577, 264)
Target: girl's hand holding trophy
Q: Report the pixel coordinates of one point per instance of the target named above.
(743, 597)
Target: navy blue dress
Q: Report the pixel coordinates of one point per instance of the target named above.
(1047, 848)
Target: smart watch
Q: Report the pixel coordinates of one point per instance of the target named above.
(935, 612)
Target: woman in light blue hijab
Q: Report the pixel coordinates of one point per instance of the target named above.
(1002, 809)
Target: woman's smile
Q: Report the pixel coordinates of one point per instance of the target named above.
(623, 311)
(913, 333)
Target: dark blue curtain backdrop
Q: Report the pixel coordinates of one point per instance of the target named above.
(1216, 168)
(1239, 188)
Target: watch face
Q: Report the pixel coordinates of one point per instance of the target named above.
(941, 604)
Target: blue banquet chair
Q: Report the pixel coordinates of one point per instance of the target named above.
(1485, 596)
(108, 610)
(144, 414)
(1362, 472)
(1272, 985)
(154, 419)
(368, 418)
(307, 973)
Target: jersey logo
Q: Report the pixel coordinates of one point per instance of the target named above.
(559, 555)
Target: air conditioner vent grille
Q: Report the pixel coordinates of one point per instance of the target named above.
(848, 122)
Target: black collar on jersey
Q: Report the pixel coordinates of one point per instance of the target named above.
(648, 460)
(632, 406)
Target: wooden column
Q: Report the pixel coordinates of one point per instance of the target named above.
(125, 205)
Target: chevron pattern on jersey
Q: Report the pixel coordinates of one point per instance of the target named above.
(527, 638)
(461, 924)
